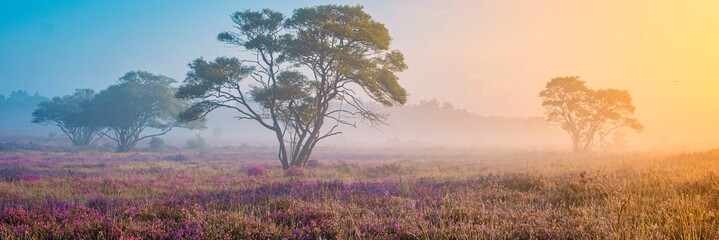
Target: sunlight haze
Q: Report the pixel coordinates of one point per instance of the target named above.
(489, 57)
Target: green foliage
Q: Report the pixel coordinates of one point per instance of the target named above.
(140, 100)
(588, 115)
(204, 81)
(258, 30)
(343, 47)
(346, 43)
(71, 114)
(197, 143)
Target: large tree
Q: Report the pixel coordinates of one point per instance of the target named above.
(588, 115)
(345, 52)
(140, 100)
(70, 113)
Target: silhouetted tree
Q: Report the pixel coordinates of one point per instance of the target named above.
(587, 115)
(341, 46)
(139, 101)
(70, 114)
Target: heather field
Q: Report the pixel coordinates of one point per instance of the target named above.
(362, 194)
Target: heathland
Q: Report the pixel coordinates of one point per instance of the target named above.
(243, 193)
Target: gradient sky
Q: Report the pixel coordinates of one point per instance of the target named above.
(490, 57)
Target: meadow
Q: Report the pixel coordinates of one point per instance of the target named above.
(358, 194)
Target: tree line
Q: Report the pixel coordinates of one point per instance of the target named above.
(122, 112)
(15, 109)
(301, 66)
(306, 76)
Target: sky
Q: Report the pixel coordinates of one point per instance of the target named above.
(489, 57)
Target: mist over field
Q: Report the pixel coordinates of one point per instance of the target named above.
(466, 53)
(409, 119)
(441, 125)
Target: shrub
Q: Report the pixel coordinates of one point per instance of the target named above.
(256, 170)
(156, 144)
(177, 158)
(99, 203)
(294, 171)
(196, 143)
(12, 175)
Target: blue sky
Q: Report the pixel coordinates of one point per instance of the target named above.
(489, 57)
(54, 47)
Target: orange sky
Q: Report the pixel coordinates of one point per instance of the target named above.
(490, 57)
(493, 57)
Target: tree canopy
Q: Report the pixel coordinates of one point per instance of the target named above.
(140, 100)
(588, 115)
(343, 50)
(71, 114)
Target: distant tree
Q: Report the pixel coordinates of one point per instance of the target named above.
(345, 50)
(140, 100)
(70, 114)
(196, 143)
(156, 144)
(447, 107)
(16, 110)
(587, 115)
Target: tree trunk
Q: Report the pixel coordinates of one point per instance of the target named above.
(82, 139)
(579, 148)
(126, 146)
(302, 158)
(80, 142)
(282, 152)
(575, 144)
(123, 148)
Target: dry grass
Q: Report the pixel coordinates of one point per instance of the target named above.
(387, 194)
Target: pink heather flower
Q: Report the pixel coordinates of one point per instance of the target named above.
(294, 171)
(256, 170)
